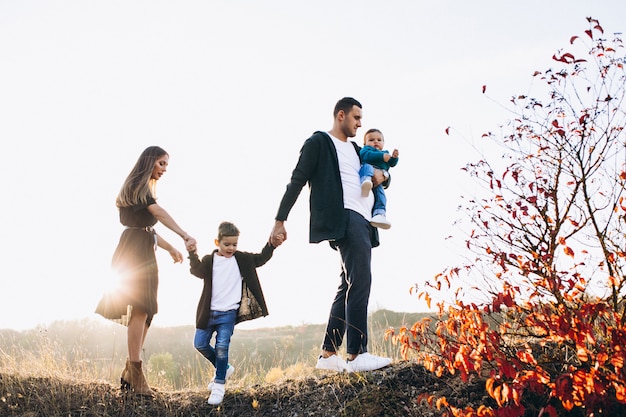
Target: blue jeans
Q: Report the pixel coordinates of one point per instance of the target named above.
(348, 313)
(380, 199)
(223, 324)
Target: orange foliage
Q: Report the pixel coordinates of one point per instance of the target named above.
(540, 331)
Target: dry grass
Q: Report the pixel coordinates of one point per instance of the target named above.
(388, 392)
(63, 371)
(41, 375)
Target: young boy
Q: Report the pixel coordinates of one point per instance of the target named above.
(231, 294)
(374, 156)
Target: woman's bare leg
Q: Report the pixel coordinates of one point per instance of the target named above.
(137, 330)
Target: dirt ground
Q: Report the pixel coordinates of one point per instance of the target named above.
(388, 392)
(392, 391)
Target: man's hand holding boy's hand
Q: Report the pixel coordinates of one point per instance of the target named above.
(278, 234)
(277, 240)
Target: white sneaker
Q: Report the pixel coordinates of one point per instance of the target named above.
(229, 371)
(366, 187)
(332, 363)
(217, 394)
(367, 362)
(380, 221)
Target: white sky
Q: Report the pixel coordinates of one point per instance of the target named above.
(231, 89)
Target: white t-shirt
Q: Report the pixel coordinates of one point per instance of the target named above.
(226, 291)
(349, 165)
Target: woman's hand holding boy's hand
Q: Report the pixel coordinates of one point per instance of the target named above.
(189, 242)
(191, 245)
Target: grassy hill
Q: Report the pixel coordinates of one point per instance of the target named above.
(388, 392)
(71, 369)
(97, 349)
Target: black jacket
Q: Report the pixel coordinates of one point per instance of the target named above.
(318, 165)
(252, 302)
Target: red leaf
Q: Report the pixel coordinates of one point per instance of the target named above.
(572, 39)
(588, 32)
(484, 88)
(448, 130)
(566, 57)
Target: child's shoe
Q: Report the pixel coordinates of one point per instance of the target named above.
(229, 371)
(217, 394)
(366, 187)
(380, 221)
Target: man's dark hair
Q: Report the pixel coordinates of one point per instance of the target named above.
(346, 104)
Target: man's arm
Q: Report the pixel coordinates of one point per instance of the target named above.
(307, 163)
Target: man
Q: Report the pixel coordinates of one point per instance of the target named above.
(329, 163)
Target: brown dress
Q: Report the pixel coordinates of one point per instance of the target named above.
(135, 261)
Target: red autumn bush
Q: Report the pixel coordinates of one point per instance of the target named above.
(545, 315)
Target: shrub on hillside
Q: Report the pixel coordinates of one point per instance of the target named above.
(545, 315)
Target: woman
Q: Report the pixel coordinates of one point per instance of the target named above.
(134, 303)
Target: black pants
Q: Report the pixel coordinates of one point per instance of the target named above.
(348, 313)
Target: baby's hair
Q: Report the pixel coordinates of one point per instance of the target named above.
(373, 131)
(226, 229)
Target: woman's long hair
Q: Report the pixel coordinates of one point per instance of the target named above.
(139, 184)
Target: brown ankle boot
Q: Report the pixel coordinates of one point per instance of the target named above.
(137, 379)
(124, 378)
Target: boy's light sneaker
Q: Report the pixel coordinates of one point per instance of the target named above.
(217, 394)
(332, 363)
(366, 187)
(366, 362)
(380, 221)
(229, 372)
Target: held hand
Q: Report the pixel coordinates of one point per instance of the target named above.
(280, 238)
(176, 255)
(279, 234)
(395, 153)
(190, 245)
(189, 241)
